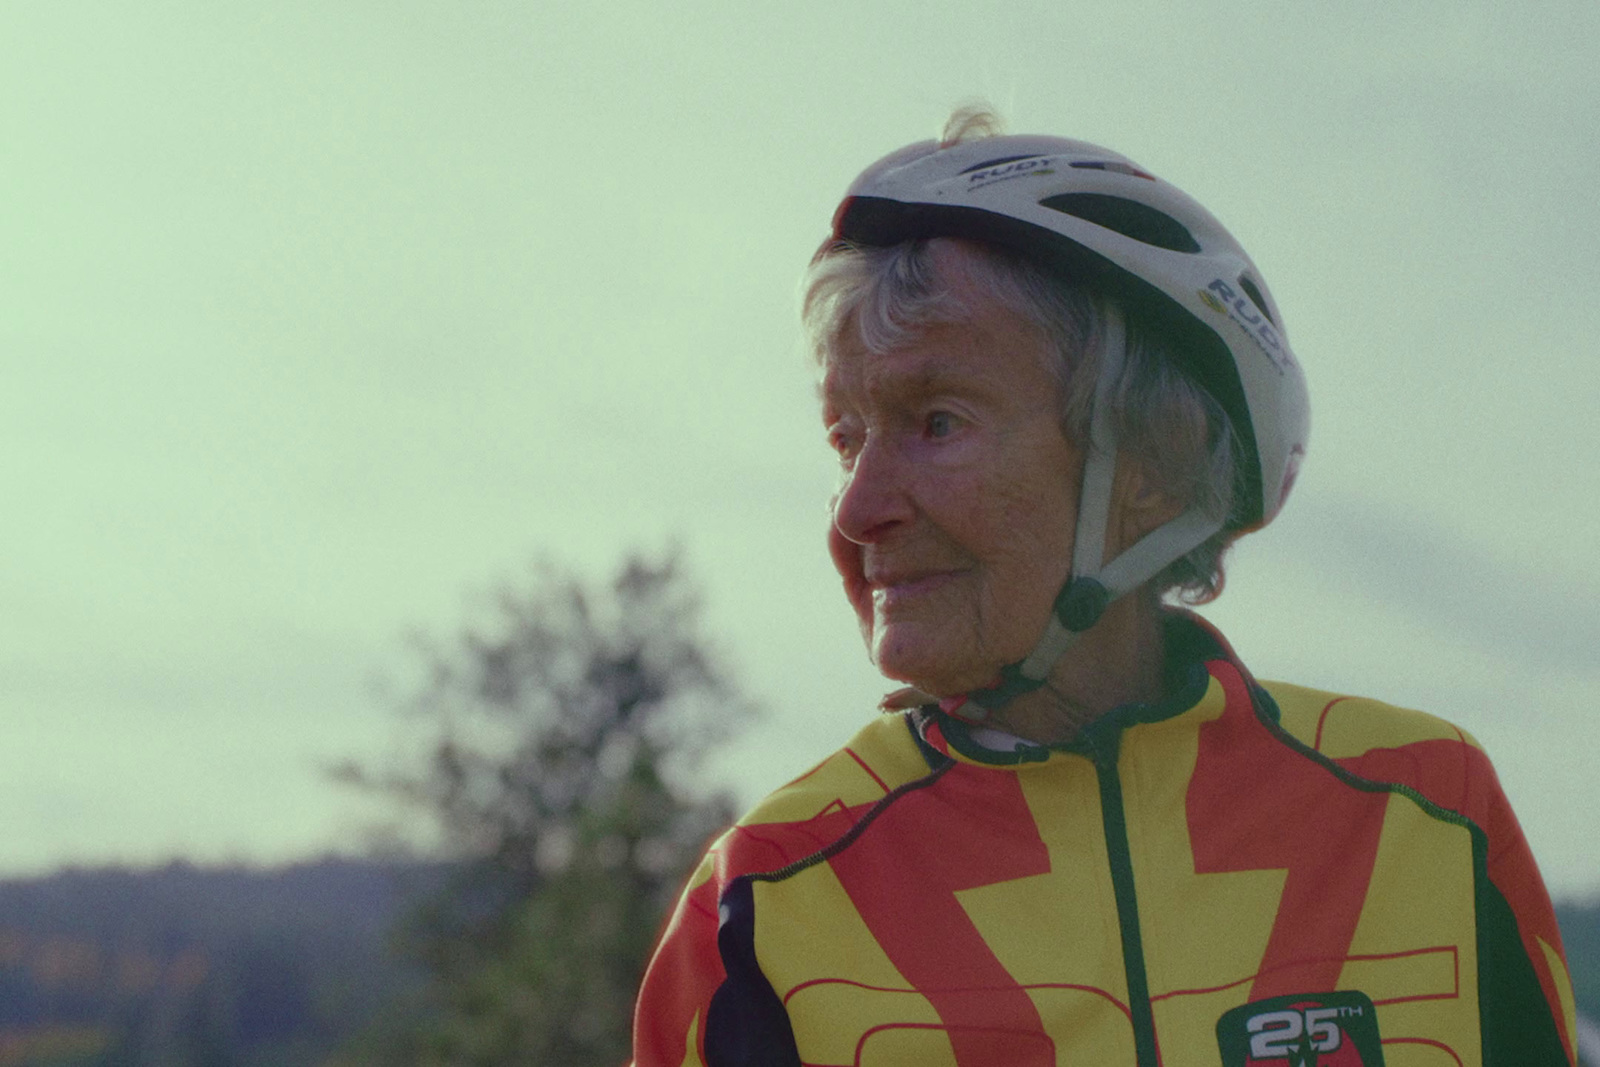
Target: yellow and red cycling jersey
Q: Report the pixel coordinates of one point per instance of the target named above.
(1245, 875)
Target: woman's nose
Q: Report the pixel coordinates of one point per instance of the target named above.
(874, 497)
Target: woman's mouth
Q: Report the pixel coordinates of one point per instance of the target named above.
(894, 591)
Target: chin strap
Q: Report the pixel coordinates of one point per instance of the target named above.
(1092, 585)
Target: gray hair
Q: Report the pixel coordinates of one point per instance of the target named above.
(1161, 418)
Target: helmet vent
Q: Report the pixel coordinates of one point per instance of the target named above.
(1133, 220)
(1255, 296)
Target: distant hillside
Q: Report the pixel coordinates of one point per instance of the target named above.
(235, 967)
(182, 965)
(1580, 934)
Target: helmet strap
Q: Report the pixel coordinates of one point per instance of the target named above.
(1093, 584)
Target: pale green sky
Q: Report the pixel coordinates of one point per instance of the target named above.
(316, 322)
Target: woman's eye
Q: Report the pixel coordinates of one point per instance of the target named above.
(941, 424)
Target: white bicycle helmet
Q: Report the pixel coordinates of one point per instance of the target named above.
(1105, 223)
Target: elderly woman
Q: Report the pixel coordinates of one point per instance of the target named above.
(1058, 389)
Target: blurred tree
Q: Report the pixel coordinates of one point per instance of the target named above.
(567, 734)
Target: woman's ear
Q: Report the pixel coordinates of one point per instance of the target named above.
(1139, 503)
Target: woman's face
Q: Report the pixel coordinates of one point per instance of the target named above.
(953, 522)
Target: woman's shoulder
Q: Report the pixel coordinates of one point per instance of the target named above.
(797, 821)
(1341, 726)
(882, 756)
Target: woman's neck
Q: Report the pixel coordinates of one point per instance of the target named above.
(1121, 660)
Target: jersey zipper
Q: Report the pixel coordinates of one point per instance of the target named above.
(1105, 749)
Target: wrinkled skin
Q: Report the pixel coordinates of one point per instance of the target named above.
(952, 526)
(953, 522)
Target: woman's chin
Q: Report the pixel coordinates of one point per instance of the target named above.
(930, 666)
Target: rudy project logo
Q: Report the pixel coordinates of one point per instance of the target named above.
(1015, 168)
(1302, 1030)
(1220, 297)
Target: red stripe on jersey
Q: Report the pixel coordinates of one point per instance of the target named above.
(973, 829)
(1247, 786)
